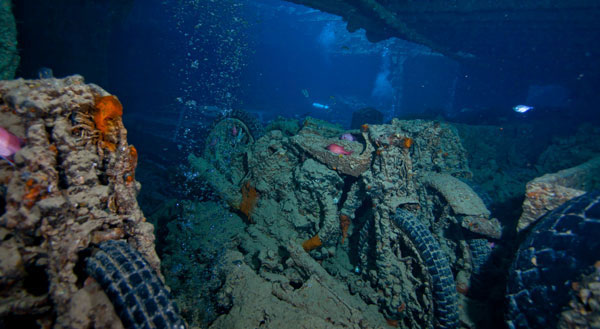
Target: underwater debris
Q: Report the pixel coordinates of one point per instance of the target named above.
(101, 236)
(398, 140)
(229, 192)
(141, 299)
(312, 243)
(462, 199)
(300, 187)
(551, 190)
(55, 209)
(317, 146)
(562, 243)
(289, 127)
(472, 212)
(489, 227)
(222, 129)
(583, 311)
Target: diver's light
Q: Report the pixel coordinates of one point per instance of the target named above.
(320, 106)
(522, 108)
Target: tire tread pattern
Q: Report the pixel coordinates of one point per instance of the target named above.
(140, 299)
(560, 248)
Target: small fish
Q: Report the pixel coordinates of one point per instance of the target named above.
(347, 137)
(345, 48)
(45, 73)
(522, 108)
(234, 131)
(305, 93)
(9, 145)
(338, 149)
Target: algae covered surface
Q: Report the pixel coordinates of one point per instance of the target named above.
(270, 226)
(9, 54)
(357, 257)
(297, 227)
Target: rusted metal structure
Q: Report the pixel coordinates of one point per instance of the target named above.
(541, 41)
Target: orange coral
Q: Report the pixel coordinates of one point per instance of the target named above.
(107, 109)
(408, 142)
(249, 198)
(344, 224)
(31, 197)
(312, 243)
(133, 154)
(129, 178)
(133, 158)
(108, 145)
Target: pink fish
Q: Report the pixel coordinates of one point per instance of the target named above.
(347, 137)
(338, 149)
(234, 131)
(9, 145)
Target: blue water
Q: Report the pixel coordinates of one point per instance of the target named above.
(261, 55)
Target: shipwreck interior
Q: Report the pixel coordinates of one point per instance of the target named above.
(300, 163)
